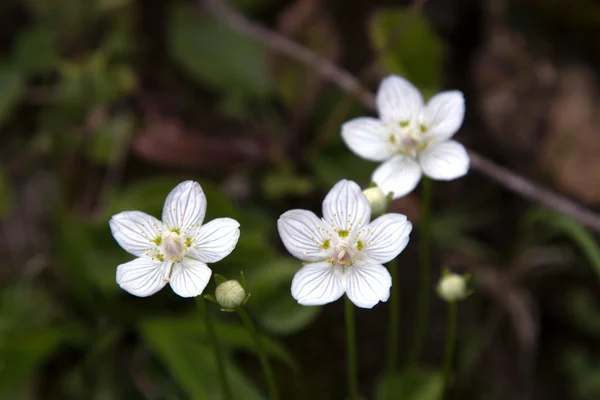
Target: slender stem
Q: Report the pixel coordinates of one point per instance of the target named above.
(394, 321)
(425, 271)
(264, 361)
(215, 345)
(450, 343)
(351, 345)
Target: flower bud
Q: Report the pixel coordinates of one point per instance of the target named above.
(377, 200)
(452, 287)
(230, 294)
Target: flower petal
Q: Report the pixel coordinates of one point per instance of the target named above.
(135, 232)
(445, 161)
(303, 234)
(384, 238)
(184, 208)
(215, 240)
(444, 114)
(345, 207)
(141, 277)
(398, 100)
(367, 284)
(189, 277)
(317, 284)
(368, 138)
(400, 175)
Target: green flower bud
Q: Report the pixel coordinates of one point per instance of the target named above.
(452, 287)
(230, 294)
(377, 200)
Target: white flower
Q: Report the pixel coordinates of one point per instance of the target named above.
(175, 250)
(343, 250)
(410, 137)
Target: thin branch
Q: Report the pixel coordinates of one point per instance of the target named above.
(346, 81)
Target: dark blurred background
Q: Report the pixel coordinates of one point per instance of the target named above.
(105, 105)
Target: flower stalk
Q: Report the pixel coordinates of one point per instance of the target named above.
(450, 343)
(212, 336)
(351, 349)
(425, 274)
(264, 361)
(394, 320)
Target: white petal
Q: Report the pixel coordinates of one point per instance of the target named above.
(400, 175)
(185, 207)
(345, 207)
(189, 277)
(303, 234)
(398, 100)
(367, 284)
(444, 114)
(215, 240)
(317, 284)
(141, 277)
(368, 138)
(135, 231)
(384, 238)
(445, 161)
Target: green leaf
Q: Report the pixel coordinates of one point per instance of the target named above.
(283, 182)
(23, 351)
(271, 301)
(408, 46)
(12, 87)
(36, 50)
(231, 336)
(411, 384)
(573, 229)
(191, 361)
(215, 55)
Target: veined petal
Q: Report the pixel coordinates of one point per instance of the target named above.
(400, 175)
(215, 240)
(398, 100)
(444, 114)
(384, 238)
(184, 208)
(367, 284)
(368, 138)
(135, 232)
(317, 284)
(189, 277)
(445, 161)
(141, 277)
(304, 235)
(346, 208)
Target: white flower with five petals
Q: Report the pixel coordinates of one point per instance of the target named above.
(175, 250)
(344, 250)
(410, 137)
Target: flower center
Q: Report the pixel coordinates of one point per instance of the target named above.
(409, 137)
(173, 246)
(343, 253)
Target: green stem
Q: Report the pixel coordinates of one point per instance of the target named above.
(394, 321)
(215, 345)
(264, 361)
(425, 272)
(351, 345)
(450, 342)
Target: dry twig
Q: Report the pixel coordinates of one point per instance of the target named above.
(350, 84)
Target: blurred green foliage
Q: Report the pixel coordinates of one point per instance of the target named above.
(71, 80)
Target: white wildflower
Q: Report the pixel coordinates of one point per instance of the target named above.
(344, 251)
(175, 250)
(410, 137)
